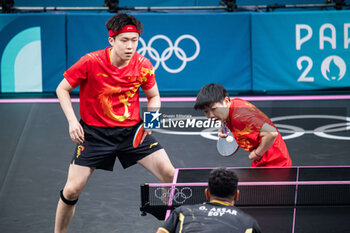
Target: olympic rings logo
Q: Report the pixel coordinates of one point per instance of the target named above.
(168, 52)
(179, 196)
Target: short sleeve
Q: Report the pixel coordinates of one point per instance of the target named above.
(77, 72)
(248, 125)
(253, 124)
(252, 118)
(246, 122)
(147, 72)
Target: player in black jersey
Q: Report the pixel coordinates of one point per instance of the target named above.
(218, 215)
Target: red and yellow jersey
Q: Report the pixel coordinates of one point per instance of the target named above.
(245, 122)
(109, 96)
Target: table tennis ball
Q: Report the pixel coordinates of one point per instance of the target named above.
(229, 139)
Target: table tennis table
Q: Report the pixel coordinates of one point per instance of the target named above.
(289, 200)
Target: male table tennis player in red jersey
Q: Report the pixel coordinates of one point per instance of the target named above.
(109, 83)
(252, 129)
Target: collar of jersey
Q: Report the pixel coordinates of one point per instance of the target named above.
(109, 50)
(220, 202)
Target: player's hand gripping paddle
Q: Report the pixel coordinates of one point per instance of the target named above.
(139, 136)
(227, 146)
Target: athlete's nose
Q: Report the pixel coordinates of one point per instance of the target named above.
(210, 114)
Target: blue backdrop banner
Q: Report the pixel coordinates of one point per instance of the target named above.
(300, 51)
(289, 51)
(186, 50)
(32, 52)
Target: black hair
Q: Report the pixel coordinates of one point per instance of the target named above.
(210, 94)
(222, 183)
(118, 21)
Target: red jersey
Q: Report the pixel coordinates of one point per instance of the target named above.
(245, 122)
(109, 96)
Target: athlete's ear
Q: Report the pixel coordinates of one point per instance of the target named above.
(207, 194)
(227, 100)
(111, 41)
(235, 198)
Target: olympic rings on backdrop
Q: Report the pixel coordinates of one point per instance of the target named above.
(168, 52)
(179, 196)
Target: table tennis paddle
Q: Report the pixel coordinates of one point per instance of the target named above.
(226, 148)
(139, 136)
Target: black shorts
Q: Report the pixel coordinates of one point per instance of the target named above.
(103, 144)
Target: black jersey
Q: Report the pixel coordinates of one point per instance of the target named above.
(210, 217)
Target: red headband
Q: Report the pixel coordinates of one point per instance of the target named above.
(126, 28)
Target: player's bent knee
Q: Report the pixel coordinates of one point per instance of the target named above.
(71, 192)
(65, 200)
(168, 175)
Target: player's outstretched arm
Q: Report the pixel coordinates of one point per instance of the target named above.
(75, 130)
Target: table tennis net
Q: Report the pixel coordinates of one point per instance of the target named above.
(157, 198)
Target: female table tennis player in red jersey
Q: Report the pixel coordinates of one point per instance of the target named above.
(252, 129)
(109, 83)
